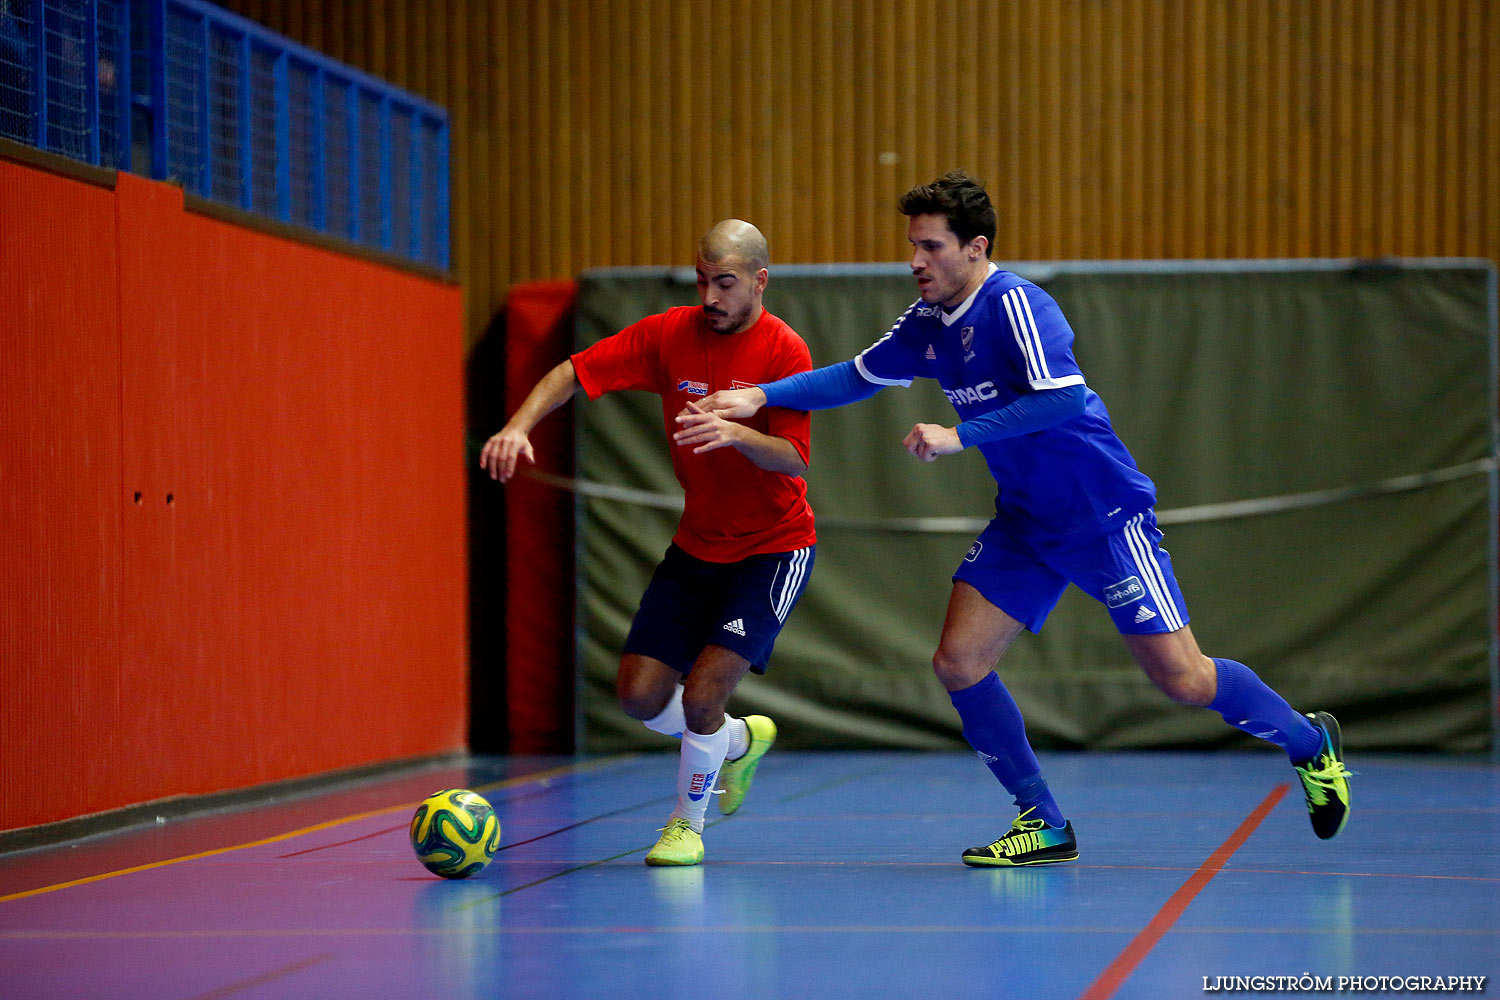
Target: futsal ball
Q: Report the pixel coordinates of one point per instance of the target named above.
(455, 833)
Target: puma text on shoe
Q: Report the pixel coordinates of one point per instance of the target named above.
(1028, 842)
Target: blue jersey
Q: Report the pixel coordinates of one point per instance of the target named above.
(1007, 339)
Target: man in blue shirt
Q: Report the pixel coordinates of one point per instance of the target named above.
(1072, 507)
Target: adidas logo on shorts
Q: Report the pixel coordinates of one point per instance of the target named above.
(737, 626)
(1145, 614)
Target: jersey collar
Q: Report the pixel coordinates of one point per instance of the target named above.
(949, 318)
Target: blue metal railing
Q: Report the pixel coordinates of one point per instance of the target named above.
(182, 90)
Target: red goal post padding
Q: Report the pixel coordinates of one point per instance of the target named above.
(539, 532)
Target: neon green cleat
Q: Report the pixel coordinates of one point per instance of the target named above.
(1029, 842)
(1325, 780)
(735, 775)
(679, 845)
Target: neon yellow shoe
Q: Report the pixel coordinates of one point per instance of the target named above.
(1029, 842)
(1325, 780)
(679, 845)
(735, 775)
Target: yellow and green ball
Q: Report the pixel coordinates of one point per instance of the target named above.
(455, 833)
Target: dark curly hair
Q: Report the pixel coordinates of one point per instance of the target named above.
(959, 198)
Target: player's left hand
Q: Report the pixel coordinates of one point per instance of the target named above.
(704, 431)
(928, 441)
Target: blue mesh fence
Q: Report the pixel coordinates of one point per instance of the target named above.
(17, 91)
(113, 35)
(303, 143)
(184, 91)
(339, 203)
(401, 215)
(68, 88)
(265, 158)
(225, 140)
(186, 87)
(369, 174)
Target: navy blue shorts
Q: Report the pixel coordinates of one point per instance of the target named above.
(741, 606)
(1126, 570)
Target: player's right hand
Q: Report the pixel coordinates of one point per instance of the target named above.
(501, 452)
(734, 404)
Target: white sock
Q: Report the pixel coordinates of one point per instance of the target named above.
(697, 769)
(669, 721)
(739, 737)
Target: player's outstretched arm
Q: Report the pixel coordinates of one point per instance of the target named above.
(1034, 411)
(502, 452)
(703, 431)
(733, 404)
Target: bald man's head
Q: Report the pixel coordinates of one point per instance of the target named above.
(736, 243)
(732, 275)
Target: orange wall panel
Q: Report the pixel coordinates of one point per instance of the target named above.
(60, 568)
(285, 491)
(302, 410)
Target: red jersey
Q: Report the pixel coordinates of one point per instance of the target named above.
(734, 508)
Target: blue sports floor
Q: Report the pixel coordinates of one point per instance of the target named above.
(838, 878)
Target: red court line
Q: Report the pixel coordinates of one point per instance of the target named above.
(1140, 946)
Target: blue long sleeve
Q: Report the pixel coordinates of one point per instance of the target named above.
(820, 389)
(1034, 411)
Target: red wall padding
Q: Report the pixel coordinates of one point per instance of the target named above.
(539, 679)
(287, 595)
(60, 530)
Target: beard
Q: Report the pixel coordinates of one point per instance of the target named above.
(721, 322)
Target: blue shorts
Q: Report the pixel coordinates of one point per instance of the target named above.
(1126, 570)
(741, 606)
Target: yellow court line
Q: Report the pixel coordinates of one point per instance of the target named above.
(508, 783)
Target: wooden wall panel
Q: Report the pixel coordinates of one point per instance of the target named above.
(612, 133)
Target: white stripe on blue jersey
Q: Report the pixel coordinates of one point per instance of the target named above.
(859, 363)
(1026, 338)
(859, 359)
(1029, 340)
(1023, 306)
(1151, 575)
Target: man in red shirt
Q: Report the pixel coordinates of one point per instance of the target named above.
(744, 549)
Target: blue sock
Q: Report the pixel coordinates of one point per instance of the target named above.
(1245, 702)
(994, 728)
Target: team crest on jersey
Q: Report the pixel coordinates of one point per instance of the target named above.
(966, 337)
(693, 388)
